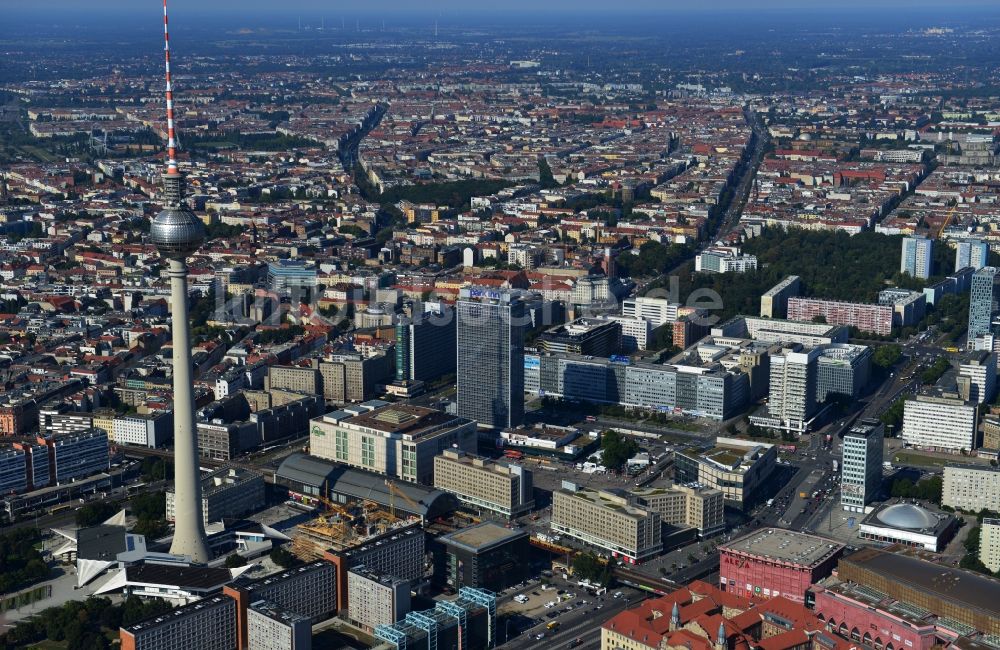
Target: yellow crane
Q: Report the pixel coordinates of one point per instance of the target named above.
(947, 220)
(395, 491)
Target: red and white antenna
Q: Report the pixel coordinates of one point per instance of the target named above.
(171, 134)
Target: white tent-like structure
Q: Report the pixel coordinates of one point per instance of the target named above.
(96, 548)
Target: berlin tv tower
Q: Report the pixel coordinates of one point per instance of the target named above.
(177, 232)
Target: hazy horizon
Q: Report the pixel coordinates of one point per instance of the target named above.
(400, 7)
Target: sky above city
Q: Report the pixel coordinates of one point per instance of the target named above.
(338, 7)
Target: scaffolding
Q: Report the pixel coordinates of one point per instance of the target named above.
(470, 602)
(460, 614)
(426, 623)
(391, 634)
(488, 600)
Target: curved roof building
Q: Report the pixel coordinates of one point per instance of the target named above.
(309, 476)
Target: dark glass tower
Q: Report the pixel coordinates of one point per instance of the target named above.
(490, 372)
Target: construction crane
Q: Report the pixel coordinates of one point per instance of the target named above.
(947, 220)
(395, 491)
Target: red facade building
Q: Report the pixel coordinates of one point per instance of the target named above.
(875, 620)
(776, 562)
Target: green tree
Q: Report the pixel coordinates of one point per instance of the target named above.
(587, 566)
(616, 449)
(94, 513)
(235, 560)
(893, 416)
(887, 356)
(283, 558)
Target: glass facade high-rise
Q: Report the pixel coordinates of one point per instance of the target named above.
(981, 302)
(490, 372)
(916, 259)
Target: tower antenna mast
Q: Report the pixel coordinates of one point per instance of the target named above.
(171, 133)
(177, 233)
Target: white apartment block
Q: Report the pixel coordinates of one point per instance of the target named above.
(635, 332)
(658, 311)
(981, 369)
(971, 488)
(376, 598)
(270, 627)
(152, 430)
(989, 544)
(946, 423)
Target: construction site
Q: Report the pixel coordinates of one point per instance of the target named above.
(340, 526)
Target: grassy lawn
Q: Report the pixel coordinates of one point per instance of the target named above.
(37, 152)
(221, 144)
(49, 645)
(921, 460)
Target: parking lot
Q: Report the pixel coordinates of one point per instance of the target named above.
(557, 611)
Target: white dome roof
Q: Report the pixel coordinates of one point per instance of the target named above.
(907, 516)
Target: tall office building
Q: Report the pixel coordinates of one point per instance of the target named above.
(177, 233)
(916, 258)
(971, 252)
(861, 471)
(490, 373)
(425, 345)
(793, 387)
(981, 302)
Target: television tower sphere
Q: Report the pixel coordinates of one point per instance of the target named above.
(177, 233)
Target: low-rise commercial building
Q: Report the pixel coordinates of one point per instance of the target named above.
(227, 492)
(692, 506)
(955, 596)
(468, 621)
(397, 440)
(485, 556)
(503, 489)
(910, 525)
(772, 562)
(738, 468)
(608, 521)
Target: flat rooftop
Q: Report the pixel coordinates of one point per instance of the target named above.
(404, 419)
(180, 613)
(968, 589)
(785, 546)
(186, 577)
(482, 536)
